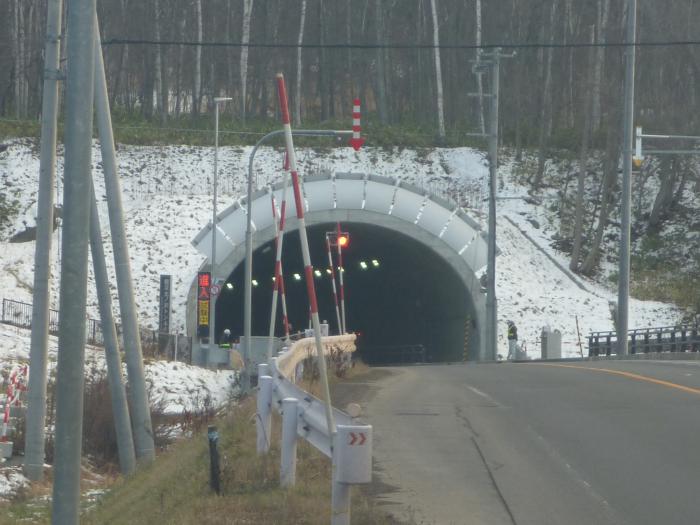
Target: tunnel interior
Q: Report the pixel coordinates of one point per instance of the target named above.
(398, 294)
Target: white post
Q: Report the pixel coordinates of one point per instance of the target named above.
(288, 465)
(340, 495)
(264, 415)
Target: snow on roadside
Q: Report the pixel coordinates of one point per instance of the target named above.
(179, 387)
(12, 482)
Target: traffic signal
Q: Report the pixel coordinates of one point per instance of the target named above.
(341, 239)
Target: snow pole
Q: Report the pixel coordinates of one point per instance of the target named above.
(308, 268)
(9, 398)
(283, 296)
(335, 294)
(342, 286)
(285, 317)
(279, 239)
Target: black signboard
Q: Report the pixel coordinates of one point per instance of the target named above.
(164, 304)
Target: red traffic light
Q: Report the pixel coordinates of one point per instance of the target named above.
(341, 239)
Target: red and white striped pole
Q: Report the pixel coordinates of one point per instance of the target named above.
(356, 141)
(279, 240)
(308, 269)
(341, 271)
(335, 294)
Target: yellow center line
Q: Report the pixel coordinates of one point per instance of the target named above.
(630, 375)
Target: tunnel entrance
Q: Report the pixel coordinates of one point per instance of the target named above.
(399, 293)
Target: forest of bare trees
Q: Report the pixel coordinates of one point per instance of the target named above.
(544, 89)
(553, 97)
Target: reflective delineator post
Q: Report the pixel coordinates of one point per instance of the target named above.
(308, 268)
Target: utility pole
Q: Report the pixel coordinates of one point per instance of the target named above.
(140, 410)
(71, 339)
(212, 297)
(38, 354)
(117, 393)
(491, 301)
(491, 62)
(623, 291)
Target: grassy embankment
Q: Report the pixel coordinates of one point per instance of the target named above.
(175, 489)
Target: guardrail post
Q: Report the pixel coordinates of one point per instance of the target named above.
(288, 464)
(264, 416)
(352, 464)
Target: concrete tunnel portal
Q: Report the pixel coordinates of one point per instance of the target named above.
(423, 288)
(403, 294)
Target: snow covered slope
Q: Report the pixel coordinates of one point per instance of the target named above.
(167, 199)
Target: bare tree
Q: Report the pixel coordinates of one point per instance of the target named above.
(197, 91)
(245, 40)
(479, 79)
(381, 74)
(602, 25)
(161, 107)
(438, 71)
(583, 162)
(300, 40)
(546, 104)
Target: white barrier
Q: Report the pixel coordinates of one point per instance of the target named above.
(350, 448)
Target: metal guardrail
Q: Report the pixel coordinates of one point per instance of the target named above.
(153, 343)
(679, 338)
(303, 416)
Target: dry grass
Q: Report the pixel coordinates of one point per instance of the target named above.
(175, 489)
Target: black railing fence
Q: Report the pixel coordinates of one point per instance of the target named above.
(400, 354)
(679, 338)
(153, 343)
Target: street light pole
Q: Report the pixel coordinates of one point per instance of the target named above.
(212, 300)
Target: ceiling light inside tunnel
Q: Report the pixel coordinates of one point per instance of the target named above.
(273, 278)
(375, 263)
(229, 286)
(363, 265)
(255, 283)
(297, 277)
(317, 273)
(328, 271)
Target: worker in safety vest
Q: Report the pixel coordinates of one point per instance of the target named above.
(512, 340)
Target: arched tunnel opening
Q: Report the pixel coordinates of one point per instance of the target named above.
(405, 302)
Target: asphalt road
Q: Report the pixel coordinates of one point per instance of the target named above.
(568, 443)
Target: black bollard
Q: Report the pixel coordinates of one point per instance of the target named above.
(214, 471)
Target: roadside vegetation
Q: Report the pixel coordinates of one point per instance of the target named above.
(175, 488)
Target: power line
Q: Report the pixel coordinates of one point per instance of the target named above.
(267, 45)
